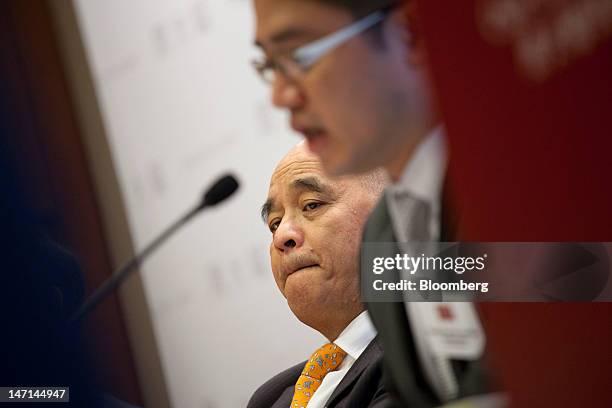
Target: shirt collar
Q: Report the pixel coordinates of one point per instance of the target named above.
(357, 335)
(424, 173)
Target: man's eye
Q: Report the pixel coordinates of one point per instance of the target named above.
(274, 226)
(312, 206)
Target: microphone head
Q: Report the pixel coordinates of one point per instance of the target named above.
(222, 189)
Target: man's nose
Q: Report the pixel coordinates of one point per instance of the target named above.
(286, 93)
(288, 236)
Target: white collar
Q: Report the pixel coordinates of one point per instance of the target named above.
(424, 174)
(357, 335)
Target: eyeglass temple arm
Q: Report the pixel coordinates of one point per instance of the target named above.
(308, 54)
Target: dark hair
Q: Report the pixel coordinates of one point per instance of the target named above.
(361, 8)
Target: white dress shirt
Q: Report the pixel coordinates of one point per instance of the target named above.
(353, 340)
(423, 178)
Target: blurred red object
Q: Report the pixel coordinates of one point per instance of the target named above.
(525, 91)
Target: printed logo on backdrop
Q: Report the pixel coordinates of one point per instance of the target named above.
(545, 36)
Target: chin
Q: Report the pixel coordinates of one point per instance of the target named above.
(298, 298)
(343, 166)
(336, 167)
(309, 315)
(301, 301)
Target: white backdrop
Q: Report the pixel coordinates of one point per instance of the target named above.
(181, 105)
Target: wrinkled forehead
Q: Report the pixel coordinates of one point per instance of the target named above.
(298, 172)
(298, 164)
(301, 171)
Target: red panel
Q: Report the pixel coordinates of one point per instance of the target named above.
(531, 162)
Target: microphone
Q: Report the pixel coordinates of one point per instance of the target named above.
(222, 189)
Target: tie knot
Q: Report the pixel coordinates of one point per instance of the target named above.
(325, 359)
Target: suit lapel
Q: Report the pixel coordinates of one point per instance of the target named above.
(370, 354)
(284, 401)
(379, 227)
(392, 324)
(278, 392)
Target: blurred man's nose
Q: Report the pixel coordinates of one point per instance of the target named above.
(286, 94)
(288, 236)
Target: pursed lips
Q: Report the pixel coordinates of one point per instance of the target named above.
(295, 266)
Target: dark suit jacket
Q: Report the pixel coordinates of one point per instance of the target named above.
(362, 386)
(403, 370)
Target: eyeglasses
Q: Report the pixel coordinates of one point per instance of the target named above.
(296, 63)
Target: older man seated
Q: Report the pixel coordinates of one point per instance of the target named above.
(316, 224)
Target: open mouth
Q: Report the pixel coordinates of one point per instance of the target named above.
(316, 139)
(315, 136)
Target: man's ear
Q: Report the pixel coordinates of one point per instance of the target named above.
(406, 19)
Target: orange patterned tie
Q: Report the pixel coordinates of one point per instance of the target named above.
(327, 358)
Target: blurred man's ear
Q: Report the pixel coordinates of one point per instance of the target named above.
(405, 19)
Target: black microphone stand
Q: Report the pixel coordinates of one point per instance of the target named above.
(221, 190)
(122, 273)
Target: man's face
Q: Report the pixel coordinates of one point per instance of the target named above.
(354, 105)
(316, 225)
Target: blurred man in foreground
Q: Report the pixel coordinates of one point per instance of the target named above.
(316, 224)
(353, 76)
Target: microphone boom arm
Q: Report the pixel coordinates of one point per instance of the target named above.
(126, 269)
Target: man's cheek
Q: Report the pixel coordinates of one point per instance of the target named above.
(275, 266)
(279, 283)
